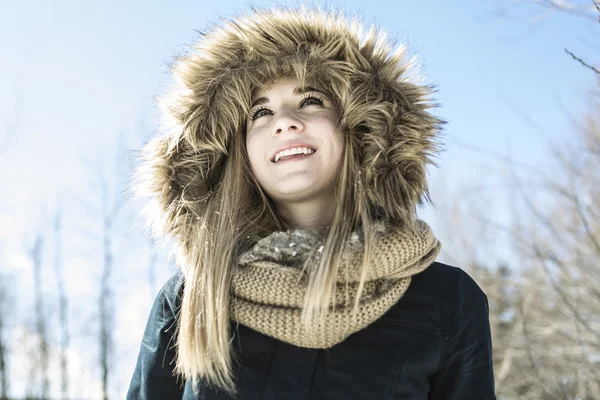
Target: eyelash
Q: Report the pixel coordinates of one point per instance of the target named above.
(308, 96)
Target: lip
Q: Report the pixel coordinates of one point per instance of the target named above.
(291, 145)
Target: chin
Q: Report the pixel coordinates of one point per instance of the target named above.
(294, 191)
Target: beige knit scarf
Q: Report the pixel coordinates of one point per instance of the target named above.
(270, 280)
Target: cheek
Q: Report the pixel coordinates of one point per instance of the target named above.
(335, 137)
(253, 147)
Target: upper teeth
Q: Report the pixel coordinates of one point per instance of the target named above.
(289, 152)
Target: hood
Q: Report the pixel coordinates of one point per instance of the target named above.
(382, 104)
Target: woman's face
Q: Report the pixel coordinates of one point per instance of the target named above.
(287, 117)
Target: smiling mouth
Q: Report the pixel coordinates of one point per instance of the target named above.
(294, 157)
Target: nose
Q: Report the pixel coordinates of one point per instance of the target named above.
(287, 121)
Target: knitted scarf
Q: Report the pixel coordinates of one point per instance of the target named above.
(270, 280)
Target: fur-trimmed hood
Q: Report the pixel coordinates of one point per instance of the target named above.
(383, 107)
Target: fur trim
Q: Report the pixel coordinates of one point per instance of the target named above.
(383, 109)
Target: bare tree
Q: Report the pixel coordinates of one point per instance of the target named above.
(565, 245)
(5, 140)
(109, 188)
(546, 319)
(63, 306)
(548, 322)
(109, 213)
(3, 343)
(40, 317)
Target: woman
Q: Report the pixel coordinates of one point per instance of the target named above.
(294, 159)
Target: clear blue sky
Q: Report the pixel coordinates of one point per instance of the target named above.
(76, 75)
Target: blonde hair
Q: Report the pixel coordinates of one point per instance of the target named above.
(199, 176)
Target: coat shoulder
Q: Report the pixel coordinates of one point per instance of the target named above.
(433, 298)
(454, 285)
(447, 280)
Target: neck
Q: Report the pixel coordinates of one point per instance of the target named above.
(311, 214)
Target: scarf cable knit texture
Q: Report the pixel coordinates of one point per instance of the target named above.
(269, 283)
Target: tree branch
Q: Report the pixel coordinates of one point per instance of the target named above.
(582, 62)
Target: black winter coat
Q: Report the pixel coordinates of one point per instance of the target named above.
(434, 343)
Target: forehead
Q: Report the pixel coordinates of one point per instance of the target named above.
(281, 82)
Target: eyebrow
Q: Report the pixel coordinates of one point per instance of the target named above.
(297, 91)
